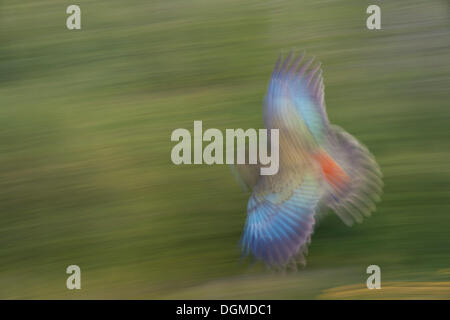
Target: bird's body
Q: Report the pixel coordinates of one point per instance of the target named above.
(320, 165)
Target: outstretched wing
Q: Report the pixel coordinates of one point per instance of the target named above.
(297, 83)
(355, 198)
(279, 225)
(295, 105)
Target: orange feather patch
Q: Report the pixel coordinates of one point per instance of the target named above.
(331, 170)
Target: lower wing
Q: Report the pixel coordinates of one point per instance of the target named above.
(278, 228)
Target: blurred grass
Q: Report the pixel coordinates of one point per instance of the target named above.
(86, 118)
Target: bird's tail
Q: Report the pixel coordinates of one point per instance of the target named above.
(353, 177)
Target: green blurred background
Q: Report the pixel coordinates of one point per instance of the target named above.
(85, 124)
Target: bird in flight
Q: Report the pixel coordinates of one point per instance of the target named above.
(321, 167)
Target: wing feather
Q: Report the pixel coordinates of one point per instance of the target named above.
(277, 229)
(297, 85)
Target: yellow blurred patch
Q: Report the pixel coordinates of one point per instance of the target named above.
(444, 271)
(391, 290)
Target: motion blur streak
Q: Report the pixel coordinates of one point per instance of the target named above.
(86, 117)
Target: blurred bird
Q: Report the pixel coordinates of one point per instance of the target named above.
(320, 166)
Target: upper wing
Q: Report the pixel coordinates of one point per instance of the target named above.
(294, 104)
(295, 83)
